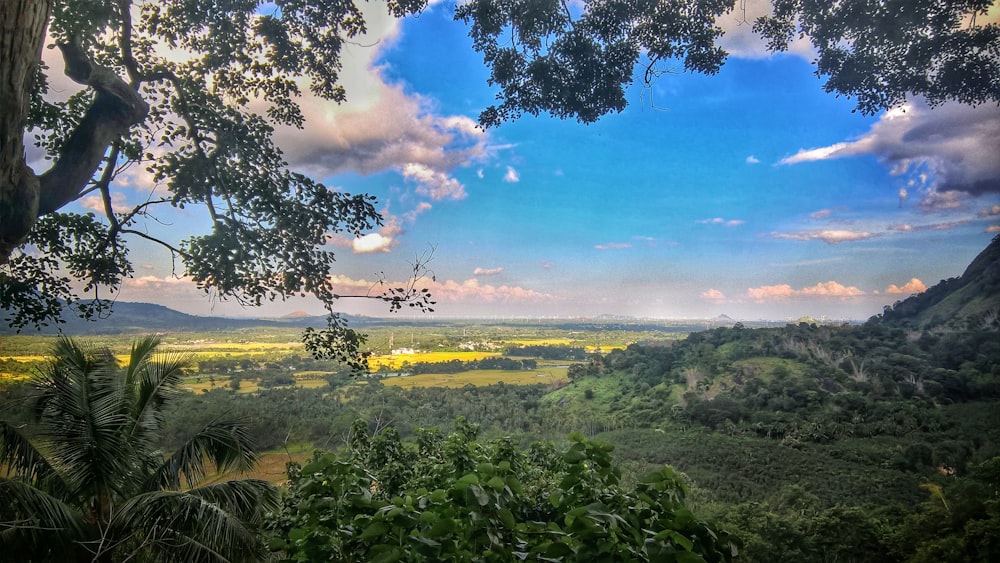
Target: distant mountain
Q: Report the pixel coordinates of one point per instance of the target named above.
(145, 317)
(969, 301)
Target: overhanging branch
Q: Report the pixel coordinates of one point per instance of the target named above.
(116, 107)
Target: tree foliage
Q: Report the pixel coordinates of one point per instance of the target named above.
(95, 487)
(455, 498)
(577, 59)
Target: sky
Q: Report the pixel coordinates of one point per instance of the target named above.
(751, 193)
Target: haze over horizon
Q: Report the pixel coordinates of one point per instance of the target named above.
(751, 193)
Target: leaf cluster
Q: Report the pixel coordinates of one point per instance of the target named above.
(455, 498)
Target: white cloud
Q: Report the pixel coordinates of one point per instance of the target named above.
(384, 240)
(432, 183)
(721, 221)
(830, 236)
(753, 160)
(511, 176)
(949, 148)
(613, 245)
(486, 271)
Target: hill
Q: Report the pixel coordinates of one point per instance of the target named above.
(971, 300)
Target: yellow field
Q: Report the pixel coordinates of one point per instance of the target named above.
(478, 377)
(544, 342)
(394, 362)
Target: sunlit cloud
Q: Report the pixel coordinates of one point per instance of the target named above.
(713, 295)
(910, 287)
(993, 229)
(821, 214)
(829, 236)
(511, 176)
(613, 246)
(990, 211)
(952, 145)
(486, 271)
(831, 289)
(752, 160)
(384, 240)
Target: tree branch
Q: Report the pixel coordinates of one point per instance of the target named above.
(116, 107)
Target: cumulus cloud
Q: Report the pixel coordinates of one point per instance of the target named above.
(713, 295)
(721, 221)
(953, 145)
(829, 236)
(384, 240)
(382, 127)
(910, 287)
(990, 211)
(511, 177)
(831, 289)
(433, 183)
(993, 229)
(753, 160)
(613, 245)
(486, 271)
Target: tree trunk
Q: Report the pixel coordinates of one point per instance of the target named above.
(22, 32)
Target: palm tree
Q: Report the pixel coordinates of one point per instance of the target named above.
(93, 486)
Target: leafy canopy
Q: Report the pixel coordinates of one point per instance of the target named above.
(458, 498)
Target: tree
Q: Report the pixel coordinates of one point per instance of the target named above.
(576, 62)
(457, 498)
(94, 486)
(189, 123)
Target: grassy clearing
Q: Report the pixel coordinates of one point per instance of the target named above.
(478, 377)
(544, 342)
(270, 466)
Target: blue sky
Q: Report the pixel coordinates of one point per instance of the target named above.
(750, 193)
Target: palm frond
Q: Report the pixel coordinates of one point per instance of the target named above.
(140, 355)
(150, 388)
(189, 526)
(24, 462)
(225, 443)
(35, 525)
(81, 411)
(247, 499)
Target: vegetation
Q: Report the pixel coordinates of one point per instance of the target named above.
(94, 486)
(454, 498)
